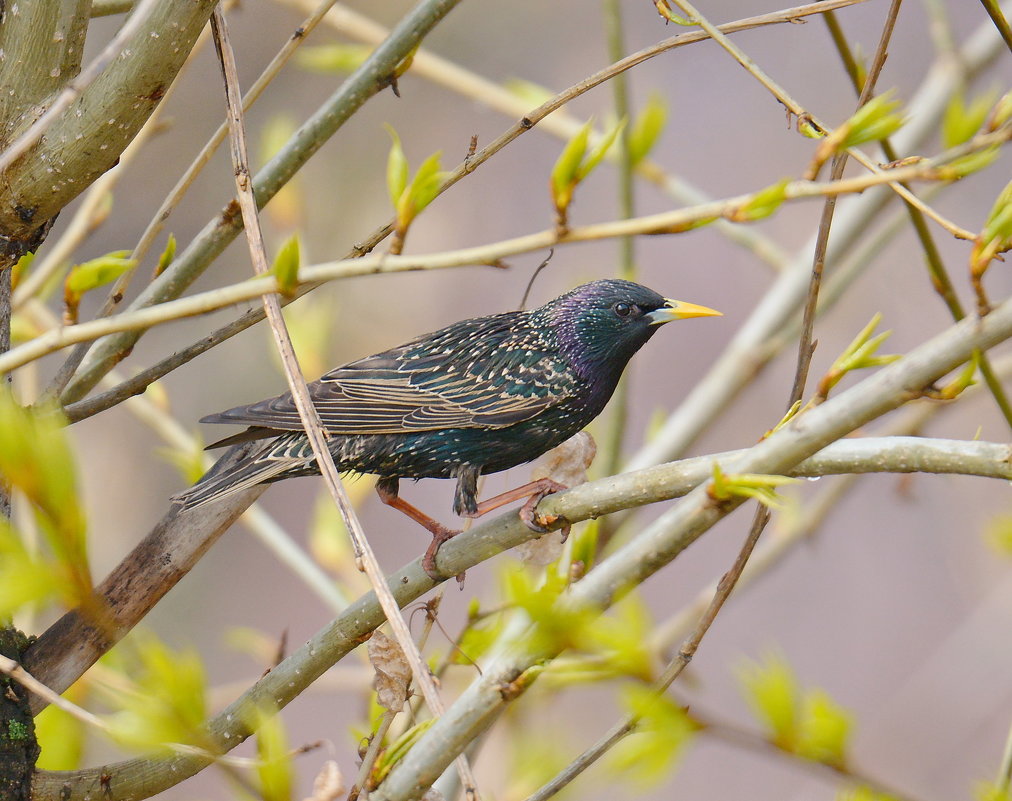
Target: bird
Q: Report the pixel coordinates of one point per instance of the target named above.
(479, 396)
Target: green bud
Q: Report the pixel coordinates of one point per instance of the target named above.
(340, 58)
(647, 128)
(962, 121)
(286, 266)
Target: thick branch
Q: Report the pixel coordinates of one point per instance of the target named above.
(87, 137)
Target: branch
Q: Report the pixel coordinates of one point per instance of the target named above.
(87, 127)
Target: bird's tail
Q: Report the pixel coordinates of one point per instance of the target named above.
(238, 470)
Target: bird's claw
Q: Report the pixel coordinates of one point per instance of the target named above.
(439, 536)
(538, 522)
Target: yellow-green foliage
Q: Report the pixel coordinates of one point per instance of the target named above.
(661, 735)
(36, 459)
(805, 722)
(167, 700)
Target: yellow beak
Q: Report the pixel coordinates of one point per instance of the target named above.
(680, 310)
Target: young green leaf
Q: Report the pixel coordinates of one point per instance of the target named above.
(35, 458)
(165, 259)
(876, 119)
(286, 266)
(410, 199)
(761, 488)
(21, 269)
(575, 164)
(967, 165)
(564, 172)
(962, 381)
(862, 793)
(98, 272)
(26, 578)
(396, 751)
(824, 730)
(999, 534)
(274, 769)
(987, 791)
(762, 204)
(424, 186)
(477, 639)
(340, 58)
(772, 691)
(962, 120)
(647, 128)
(999, 219)
(168, 701)
(600, 150)
(1000, 114)
(397, 168)
(860, 354)
(61, 735)
(90, 275)
(663, 731)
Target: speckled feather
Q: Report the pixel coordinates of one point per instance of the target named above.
(478, 396)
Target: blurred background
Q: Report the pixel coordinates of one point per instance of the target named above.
(897, 606)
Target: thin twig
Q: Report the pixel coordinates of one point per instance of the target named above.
(300, 392)
(993, 10)
(373, 752)
(29, 682)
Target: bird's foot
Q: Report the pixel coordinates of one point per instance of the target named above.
(440, 534)
(529, 513)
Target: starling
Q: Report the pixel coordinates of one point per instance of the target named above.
(476, 397)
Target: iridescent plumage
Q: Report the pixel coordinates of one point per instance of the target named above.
(476, 397)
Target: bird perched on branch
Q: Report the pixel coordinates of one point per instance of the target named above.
(476, 397)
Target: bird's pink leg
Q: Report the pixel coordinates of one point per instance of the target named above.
(440, 533)
(534, 492)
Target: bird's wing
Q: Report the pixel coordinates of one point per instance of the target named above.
(485, 373)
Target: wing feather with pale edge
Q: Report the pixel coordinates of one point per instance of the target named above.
(490, 372)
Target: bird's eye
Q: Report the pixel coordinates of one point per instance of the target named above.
(623, 309)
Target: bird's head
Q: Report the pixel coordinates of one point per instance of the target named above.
(603, 323)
